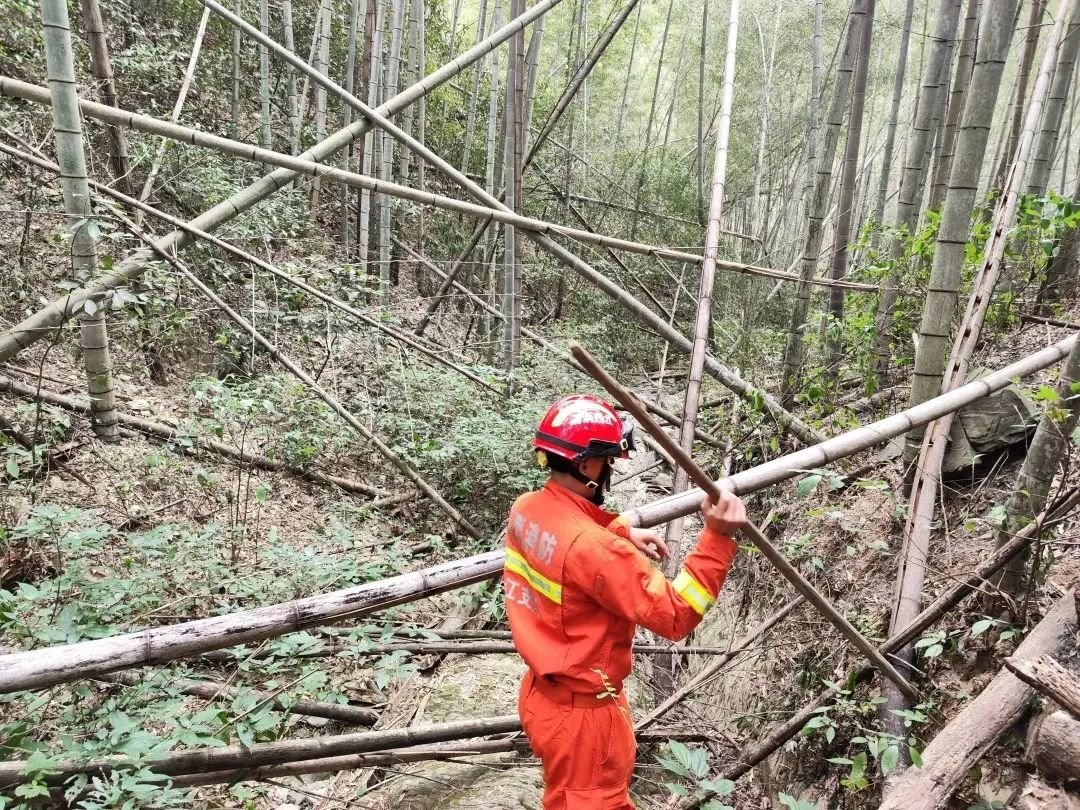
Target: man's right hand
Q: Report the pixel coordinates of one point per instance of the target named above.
(725, 515)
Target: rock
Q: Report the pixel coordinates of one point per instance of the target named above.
(988, 425)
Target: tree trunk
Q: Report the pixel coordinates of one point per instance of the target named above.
(962, 78)
(1044, 457)
(794, 351)
(894, 114)
(178, 107)
(238, 8)
(290, 79)
(67, 131)
(960, 745)
(491, 144)
(644, 156)
(265, 137)
(374, 68)
(914, 174)
(945, 274)
(512, 137)
(1047, 140)
(1054, 746)
(322, 64)
(386, 156)
(863, 10)
(700, 160)
(1031, 44)
(101, 66)
(470, 115)
(355, 23)
(629, 73)
(703, 318)
(407, 76)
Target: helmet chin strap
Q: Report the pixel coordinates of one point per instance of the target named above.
(597, 487)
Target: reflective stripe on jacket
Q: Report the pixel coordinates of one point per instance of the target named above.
(576, 588)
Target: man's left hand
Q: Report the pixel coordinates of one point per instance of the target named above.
(649, 543)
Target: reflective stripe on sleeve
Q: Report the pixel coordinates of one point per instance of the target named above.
(544, 586)
(693, 593)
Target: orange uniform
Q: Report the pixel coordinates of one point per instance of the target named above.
(576, 589)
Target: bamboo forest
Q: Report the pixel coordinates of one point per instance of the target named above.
(286, 287)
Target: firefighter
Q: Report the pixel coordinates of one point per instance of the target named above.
(577, 585)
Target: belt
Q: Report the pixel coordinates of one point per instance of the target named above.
(560, 693)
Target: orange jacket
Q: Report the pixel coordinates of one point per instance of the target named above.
(576, 588)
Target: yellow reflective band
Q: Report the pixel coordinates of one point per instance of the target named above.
(544, 586)
(693, 593)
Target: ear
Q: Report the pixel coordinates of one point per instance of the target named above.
(591, 468)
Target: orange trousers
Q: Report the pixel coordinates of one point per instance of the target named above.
(586, 746)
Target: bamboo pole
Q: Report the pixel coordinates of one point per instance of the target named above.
(215, 690)
(703, 318)
(101, 66)
(855, 441)
(204, 760)
(67, 132)
(764, 545)
(461, 647)
(44, 321)
(52, 665)
(178, 106)
(436, 357)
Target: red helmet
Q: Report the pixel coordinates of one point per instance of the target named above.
(583, 426)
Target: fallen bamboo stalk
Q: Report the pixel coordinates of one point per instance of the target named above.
(962, 742)
(764, 545)
(252, 259)
(205, 760)
(716, 666)
(154, 126)
(87, 659)
(1049, 321)
(170, 434)
(444, 751)
(479, 647)
(855, 441)
(213, 690)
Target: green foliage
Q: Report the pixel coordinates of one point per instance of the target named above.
(690, 766)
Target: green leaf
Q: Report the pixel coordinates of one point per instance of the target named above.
(889, 759)
(1047, 394)
(29, 790)
(916, 756)
(934, 651)
(12, 467)
(839, 760)
(721, 787)
(245, 734)
(982, 626)
(807, 485)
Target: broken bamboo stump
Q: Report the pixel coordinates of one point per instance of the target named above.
(768, 550)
